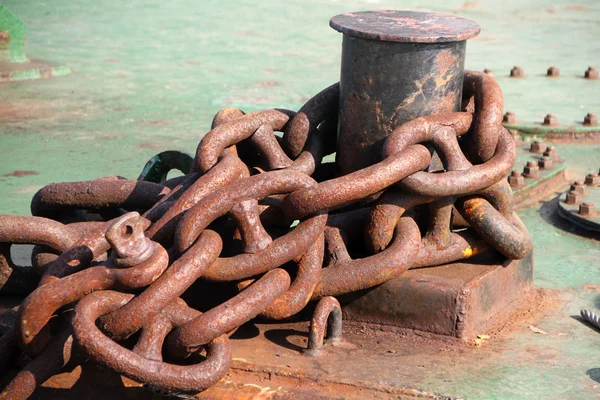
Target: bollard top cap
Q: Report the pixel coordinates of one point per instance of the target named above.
(405, 26)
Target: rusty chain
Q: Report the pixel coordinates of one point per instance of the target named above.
(263, 213)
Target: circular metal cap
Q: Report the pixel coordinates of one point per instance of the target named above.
(405, 26)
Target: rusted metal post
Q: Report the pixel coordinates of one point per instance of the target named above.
(396, 66)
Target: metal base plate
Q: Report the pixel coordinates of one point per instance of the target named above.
(461, 300)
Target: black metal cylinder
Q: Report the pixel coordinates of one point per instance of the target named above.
(396, 66)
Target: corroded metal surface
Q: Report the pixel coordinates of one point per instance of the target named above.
(387, 79)
(405, 26)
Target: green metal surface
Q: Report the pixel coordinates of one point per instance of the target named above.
(149, 76)
(13, 35)
(542, 130)
(14, 63)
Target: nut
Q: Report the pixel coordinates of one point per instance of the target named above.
(517, 72)
(552, 153)
(531, 170)
(573, 197)
(580, 187)
(536, 146)
(516, 180)
(590, 119)
(553, 72)
(587, 209)
(489, 72)
(592, 180)
(509, 118)
(591, 73)
(550, 119)
(545, 163)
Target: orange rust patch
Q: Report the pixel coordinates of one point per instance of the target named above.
(444, 61)
(576, 7)
(591, 288)
(474, 208)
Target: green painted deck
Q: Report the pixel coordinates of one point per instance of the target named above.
(149, 76)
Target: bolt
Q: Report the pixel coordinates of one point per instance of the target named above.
(552, 153)
(590, 119)
(545, 163)
(591, 73)
(592, 180)
(516, 180)
(580, 187)
(550, 119)
(517, 72)
(573, 197)
(489, 72)
(587, 209)
(531, 170)
(553, 72)
(536, 146)
(509, 118)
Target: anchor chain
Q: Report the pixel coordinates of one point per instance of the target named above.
(263, 213)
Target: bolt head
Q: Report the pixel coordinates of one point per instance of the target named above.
(573, 197)
(590, 119)
(545, 163)
(517, 72)
(509, 118)
(552, 153)
(553, 72)
(536, 146)
(591, 73)
(550, 119)
(592, 180)
(531, 170)
(516, 180)
(587, 209)
(580, 187)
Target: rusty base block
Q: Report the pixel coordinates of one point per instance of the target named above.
(459, 299)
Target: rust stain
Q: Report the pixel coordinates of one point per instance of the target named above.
(268, 84)
(21, 172)
(576, 7)
(150, 145)
(159, 122)
(469, 5)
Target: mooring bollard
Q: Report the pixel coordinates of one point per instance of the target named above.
(396, 66)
